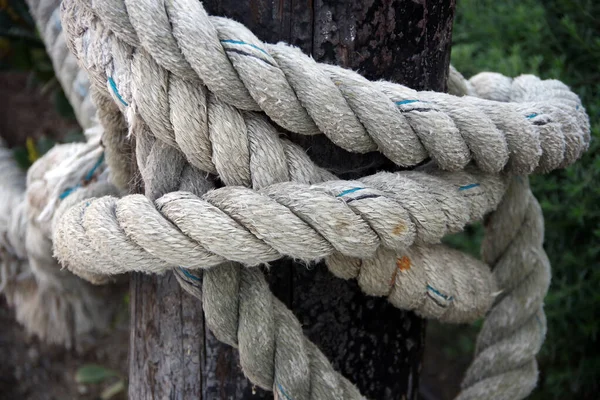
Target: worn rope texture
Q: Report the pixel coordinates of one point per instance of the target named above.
(76, 86)
(89, 252)
(238, 305)
(122, 41)
(49, 301)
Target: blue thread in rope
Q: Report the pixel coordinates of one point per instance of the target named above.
(189, 274)
(442, 295)
(92, 171)
(82, 90)
(256, 57)
(113, 86)
(532, 115)
(399, 103)
(467, 187)
(345, 192)
(363, 197)
(287, 396)
(231, 41)
(68, 191)
(88, 177)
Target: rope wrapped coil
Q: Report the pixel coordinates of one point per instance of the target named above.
(199, 112)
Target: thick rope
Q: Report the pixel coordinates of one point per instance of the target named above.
(289, 219)
(121, 42)
(260, 335)
(48, 300)
(382, 230)
(527, 136)
(515, 328)
(76, 86)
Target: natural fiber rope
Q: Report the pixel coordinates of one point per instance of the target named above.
(158, 75)
(76, 86)
(282, 218)
(49, 301)
(381, 229)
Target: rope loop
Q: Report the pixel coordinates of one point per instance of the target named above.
(225, 192)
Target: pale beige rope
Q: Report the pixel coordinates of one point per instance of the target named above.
(299, 221)
(512, 129)
(76, 86)
(49, 301)
(504, 366)
(576, 130)
(73, 79)
(529, 88)
(300, 95)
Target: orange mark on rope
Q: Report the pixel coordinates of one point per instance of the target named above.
(399, 229)
(403, 263)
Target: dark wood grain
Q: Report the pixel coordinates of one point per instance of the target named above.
(378, 347)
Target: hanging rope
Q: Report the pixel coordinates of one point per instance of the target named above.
(48, 300)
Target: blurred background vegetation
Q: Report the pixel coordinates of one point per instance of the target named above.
(549, 38)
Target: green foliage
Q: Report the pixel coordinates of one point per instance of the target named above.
(553, 39)
(93, 373)
(96, 374)
(21, 49)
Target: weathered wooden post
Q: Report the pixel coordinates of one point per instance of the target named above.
(172, 354)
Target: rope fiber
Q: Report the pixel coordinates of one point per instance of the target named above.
(225, 192)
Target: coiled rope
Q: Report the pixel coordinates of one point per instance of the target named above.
(146, 56)
(197, 109)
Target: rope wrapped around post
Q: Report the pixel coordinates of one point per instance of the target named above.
(123, 41)
(381, 229)
(199, 112)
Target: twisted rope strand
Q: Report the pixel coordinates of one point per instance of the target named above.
(73, 79)
(515, 328)
(251, 307)
(381, 229)
(299, 94)
(297, 220)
